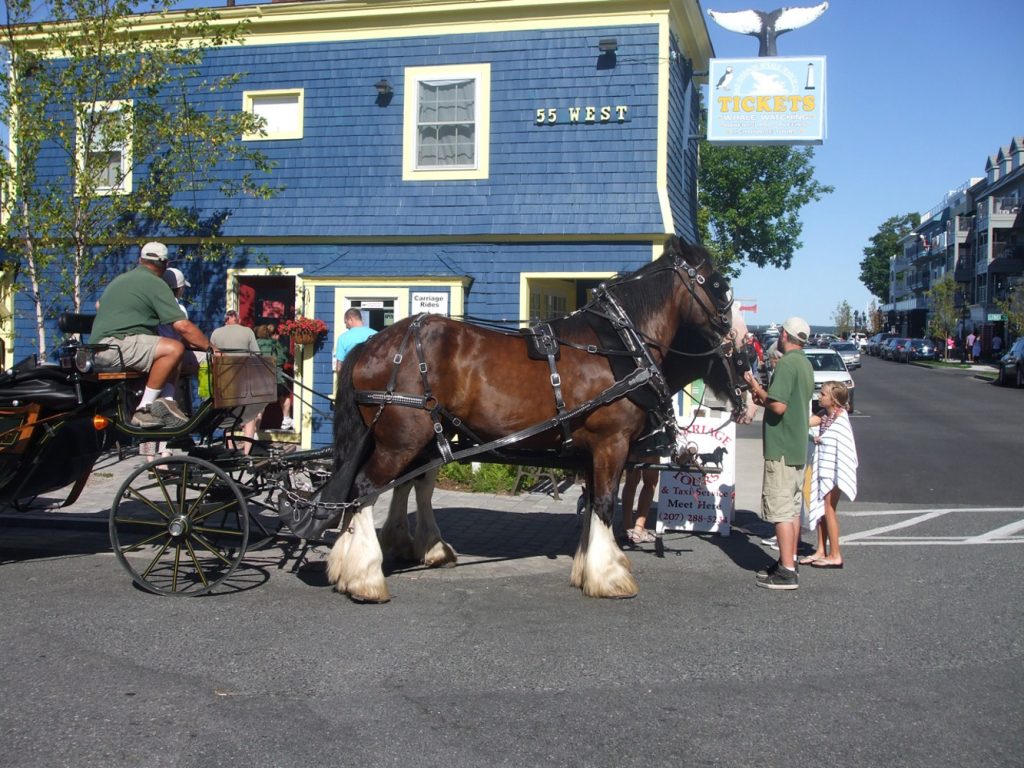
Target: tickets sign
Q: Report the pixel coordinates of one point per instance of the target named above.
(768, 100)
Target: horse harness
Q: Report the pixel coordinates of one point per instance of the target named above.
(314, 516)
(542, 344)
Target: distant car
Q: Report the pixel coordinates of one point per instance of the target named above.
(895, 349)
(861, 340)
(920, 349)
(823, 339)
(849, 351)
(828, 365)
(885, 348)
(875, 343)
(1011, 365)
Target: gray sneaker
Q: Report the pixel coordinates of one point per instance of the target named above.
(169, 413)
(144, 419)
(777, 577)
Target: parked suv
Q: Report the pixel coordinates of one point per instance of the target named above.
(1011, 365)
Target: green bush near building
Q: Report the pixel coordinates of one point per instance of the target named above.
(489, 478)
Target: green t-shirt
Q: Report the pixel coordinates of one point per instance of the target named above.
(135, 303)
(785, 436)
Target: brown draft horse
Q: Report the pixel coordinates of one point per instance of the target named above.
(483, 383)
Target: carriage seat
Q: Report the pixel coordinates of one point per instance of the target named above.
(75, 322)
(81, 323)
(39, 383)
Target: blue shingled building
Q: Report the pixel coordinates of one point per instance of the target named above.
(493, 158)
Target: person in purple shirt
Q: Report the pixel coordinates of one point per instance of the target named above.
(357, 333)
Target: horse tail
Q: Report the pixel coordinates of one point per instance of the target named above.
(353, 440)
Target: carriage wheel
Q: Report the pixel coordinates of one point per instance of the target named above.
(179, 526)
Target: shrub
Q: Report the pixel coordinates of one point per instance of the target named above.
(489, 478)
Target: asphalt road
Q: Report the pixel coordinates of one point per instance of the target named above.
(910, 656)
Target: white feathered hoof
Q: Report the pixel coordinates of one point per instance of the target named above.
(604, 571)
(440, 555)
(618, 583)
(354, 564)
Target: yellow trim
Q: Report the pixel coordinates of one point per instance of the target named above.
(333, 20)
(661, 181)
(526, 277)
(126, 148)
(296, 131)
(481, 73)
(298, 22)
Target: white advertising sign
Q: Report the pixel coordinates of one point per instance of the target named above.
(767, 100)
(434, 303)
(692, 500)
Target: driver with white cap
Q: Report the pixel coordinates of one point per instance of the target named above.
(129, 311)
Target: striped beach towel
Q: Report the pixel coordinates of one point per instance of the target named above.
(832, 463)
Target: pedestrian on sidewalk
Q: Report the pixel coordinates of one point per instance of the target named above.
(976, 349)
(636, 527)
(787, 404)
(969, 345)
(833, 469)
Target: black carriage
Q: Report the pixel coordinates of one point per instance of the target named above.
(179, 524)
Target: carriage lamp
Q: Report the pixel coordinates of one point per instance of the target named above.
(100, 422)
(383, 88)
(608, 45)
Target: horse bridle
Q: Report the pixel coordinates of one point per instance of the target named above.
(720, 316)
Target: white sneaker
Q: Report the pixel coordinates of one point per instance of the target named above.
(771, 543)
(287, 425)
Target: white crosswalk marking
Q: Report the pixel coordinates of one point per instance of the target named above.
(1005, 534)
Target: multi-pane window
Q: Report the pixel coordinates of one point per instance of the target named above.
(447, 122)
(104, 148)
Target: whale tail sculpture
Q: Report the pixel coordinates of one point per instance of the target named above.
(766, 26)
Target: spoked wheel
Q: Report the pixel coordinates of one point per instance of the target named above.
(179, 526)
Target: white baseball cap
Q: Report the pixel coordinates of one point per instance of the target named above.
(154, 252)
(175, 278)
(798, 329)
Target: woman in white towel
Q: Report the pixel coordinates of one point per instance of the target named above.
(834, 469)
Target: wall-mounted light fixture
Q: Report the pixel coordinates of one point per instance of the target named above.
(608, 45)
(383, 88)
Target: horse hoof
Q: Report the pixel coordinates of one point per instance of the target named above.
(441, 555)
(370, 599)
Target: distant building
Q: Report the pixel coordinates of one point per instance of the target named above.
(977, 234)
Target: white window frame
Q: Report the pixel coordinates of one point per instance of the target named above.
(250, 103)
(480, 169)
(81, 150)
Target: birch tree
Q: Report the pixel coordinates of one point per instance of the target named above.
(110, 129)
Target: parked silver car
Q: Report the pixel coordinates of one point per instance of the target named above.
(828, 366)
(849, 351)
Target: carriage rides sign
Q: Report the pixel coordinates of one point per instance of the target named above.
(772, 100)
(692, 500)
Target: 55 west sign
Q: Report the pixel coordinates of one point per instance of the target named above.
(768, 100)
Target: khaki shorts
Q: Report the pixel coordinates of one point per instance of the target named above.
(781, 492)
(137, 352)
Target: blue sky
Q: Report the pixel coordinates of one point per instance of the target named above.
(920, 94)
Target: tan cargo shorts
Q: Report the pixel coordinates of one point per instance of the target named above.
(781, 491)
(137, 351)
